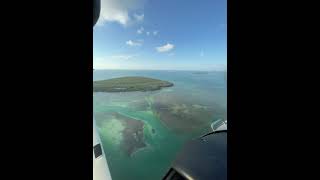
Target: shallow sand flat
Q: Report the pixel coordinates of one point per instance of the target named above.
(132, 134)
(139, 105)
(111, 130)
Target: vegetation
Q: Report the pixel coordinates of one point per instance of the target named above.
(125, 84)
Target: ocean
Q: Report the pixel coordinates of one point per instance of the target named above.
(142, 132)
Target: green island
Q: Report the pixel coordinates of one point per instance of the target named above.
(127, 84)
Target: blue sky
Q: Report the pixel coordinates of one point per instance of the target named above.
(161, 34)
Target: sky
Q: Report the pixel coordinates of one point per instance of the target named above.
(161, 35)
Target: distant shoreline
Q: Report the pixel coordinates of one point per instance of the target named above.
(224, 70)
(200, 72)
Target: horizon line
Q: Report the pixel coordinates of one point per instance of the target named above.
(159, 69)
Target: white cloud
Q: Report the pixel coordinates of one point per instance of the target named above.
(140, 30)
(133, 43)
(139, 18)
(165, 48)
(123, 56)
(119, 11)
(155, 32)
(147, 33)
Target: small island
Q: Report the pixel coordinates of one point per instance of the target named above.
(128, 84)
(200, 72)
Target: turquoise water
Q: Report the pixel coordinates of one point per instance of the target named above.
(152, 161)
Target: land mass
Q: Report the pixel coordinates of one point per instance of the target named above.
(127, 84)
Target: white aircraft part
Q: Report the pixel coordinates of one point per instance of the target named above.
(100, 166)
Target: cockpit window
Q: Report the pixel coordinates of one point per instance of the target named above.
(97, 151)
(159, 80)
